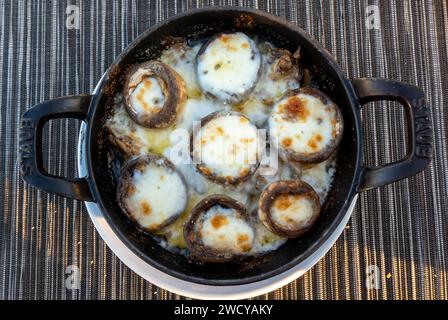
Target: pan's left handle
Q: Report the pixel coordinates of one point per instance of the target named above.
(30, 146)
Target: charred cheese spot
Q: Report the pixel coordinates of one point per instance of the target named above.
(228, 67)
(312, 144)
(292, 211)
(295, 109)
(146, 208)
(286, 142)
(314, 141)
(282, 202)
(219, 220)
(243, 242)
(222, 229)
(306, 126)
(228, 147)
(147, 96)
(244, 172)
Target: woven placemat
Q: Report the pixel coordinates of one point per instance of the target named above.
(400, 230)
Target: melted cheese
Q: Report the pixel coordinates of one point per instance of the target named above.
(227, 146)
(143, 139)
(320, 176)
(195, 110)
(257, 108)
(221, 229)
(267, 91)
(181, 58)
(265, 240)
(157, 195)
(148, 96)
(228, 68)
(292, 211)
(303, 124)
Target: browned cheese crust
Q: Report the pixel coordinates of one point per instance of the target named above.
(324, 154)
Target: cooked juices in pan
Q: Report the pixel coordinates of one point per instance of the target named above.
(189, 126)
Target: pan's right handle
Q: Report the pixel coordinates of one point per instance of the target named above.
(30, 146)
(420, 145)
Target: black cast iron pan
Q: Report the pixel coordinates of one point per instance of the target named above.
(351, 175)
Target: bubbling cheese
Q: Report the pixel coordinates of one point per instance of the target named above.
(292, 211)
(157, 194)
(303, 124)
(221, 229)
(227, 146)
(148, 96)
(228, 68)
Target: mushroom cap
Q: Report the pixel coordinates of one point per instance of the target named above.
(151, 192)
(306, 125)
(296, 206)
(171, 85)
(193, 227)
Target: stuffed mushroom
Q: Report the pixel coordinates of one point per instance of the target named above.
(151, 192)
(288, 208)
(306, 126)
(218, 230)
(153, 94)
(225, 147)
(228, 67)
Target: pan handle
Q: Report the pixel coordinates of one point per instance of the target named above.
(420, 140)
(30, 146)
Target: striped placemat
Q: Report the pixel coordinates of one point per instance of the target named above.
(400, 231)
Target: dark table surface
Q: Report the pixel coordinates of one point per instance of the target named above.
(402, 228)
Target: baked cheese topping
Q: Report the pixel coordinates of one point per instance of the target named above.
(148, 96)
(227, 146)
(292, 211)
(157, 194)
(257, 107)
(303, 124)
(221, 229)
(229, 66)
